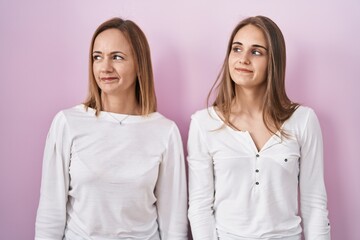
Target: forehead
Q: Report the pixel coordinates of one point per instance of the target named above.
(111, 39)
(250, 35)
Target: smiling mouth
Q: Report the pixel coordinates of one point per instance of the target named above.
(243, 70)
(107, 79)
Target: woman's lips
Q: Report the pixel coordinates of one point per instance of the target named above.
(108, 78)
(243, 70)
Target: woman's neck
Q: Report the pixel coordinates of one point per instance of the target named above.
(120, 104)
(248, 101)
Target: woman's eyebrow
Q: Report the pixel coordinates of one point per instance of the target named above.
(254, 45)
(114, 52)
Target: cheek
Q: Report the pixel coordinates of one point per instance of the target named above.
(128, 71)
(232, 60)
(95, 70)
(230, 64)
(263, 67)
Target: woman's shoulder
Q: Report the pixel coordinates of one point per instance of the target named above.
(159, 118)
(67, 115)
(207, 119)
(205, 114)
(159, 122)
(301, 118)
(60, 121)
(78, 109)
(302, 113)
(61, 114)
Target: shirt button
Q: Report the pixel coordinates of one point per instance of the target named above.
(257, 170)
(285, 160)
(257, 183)
(257, 155)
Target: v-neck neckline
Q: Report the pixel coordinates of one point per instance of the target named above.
(275, 138)
(272, 140)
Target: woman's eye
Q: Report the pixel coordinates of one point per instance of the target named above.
(96, 57)
(117, 57)
(236, 49)
(256, 52)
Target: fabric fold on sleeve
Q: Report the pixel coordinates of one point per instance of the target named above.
(201, 185)
(312, 187)
(51, 213)
(171, 190)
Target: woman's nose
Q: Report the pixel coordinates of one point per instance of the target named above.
(106, 65)
(244, 58)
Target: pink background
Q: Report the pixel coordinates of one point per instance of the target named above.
(44, 51)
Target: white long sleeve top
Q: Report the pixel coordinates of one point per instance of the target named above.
(238, 192)
(102, 180)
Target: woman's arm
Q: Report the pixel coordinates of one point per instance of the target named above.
(201, 186)
(51, 214)
(171, 191)
(312, 187)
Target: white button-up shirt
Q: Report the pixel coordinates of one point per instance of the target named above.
(238, 192)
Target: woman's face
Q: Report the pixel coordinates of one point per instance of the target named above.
(113, 63)
(248, 59)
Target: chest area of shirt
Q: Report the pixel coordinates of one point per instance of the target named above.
(237, 149)
(116, 157)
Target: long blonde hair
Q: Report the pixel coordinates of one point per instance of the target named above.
(144, 89)
(277, 106)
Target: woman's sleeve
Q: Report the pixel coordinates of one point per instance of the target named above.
(201, 186)
(51, 214)
(171, 191)
(312, 187)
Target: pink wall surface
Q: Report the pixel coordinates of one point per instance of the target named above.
(44, 50)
